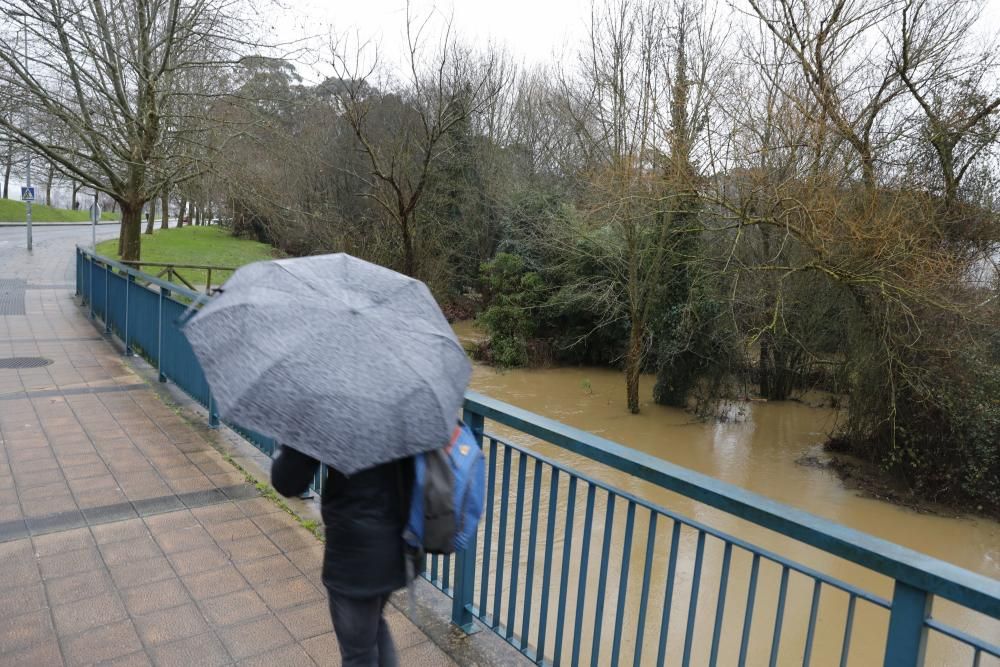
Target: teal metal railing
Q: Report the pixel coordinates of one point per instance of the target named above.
(571, 570)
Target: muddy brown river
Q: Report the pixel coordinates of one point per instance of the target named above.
(756, 450)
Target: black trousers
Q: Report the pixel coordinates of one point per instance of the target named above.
(362, 632)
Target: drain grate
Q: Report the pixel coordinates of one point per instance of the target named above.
(19, 363)
(12, 296)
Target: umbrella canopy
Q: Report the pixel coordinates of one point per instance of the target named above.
(343, 360)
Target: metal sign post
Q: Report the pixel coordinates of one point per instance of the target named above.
(28, 196)
(95, 213)
(31, 191)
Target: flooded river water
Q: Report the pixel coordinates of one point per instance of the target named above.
(757, 450)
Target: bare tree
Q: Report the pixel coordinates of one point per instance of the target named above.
(402, 129)
(638, 103)
(104, 74)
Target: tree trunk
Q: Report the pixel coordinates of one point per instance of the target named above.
(181, 208)
(197, 216)
(48, 185)
(633, 367)
(131, 229)
(6, 176)
(151, 216)
(165, 209)
(409, 257)
(76, 191)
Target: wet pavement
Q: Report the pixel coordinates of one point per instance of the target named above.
(126, 537)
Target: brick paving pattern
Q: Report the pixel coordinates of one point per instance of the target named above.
(125, 537)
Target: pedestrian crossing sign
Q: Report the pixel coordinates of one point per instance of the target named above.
(27, 194)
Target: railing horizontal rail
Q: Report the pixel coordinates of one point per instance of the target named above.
(967, 588)
(701, 527)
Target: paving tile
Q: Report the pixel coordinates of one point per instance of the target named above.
(109, 513)
(250, 549)
(234, 608)
(44, 492)
(40, 478)
(287, 656)
(130, 551)
(147, 598)
(20, 632)
(290, 593)
(198, 560)
(426, 653)
(293, 539)
(184, 539)
(13, 530)
(78, 587)
(255, 637)
(45, 653)
(138, 659)
(268, 570)
(84, 471)
(185, 470)
(169, 625)
(272, 523)
(309, 560)
(99, 498)
(198, 484)
(96, 483)
(255, 507)
(324, 650)
(164, 523)
(119, 530)
(216, 514)
(157, 505)
(307, 620)
(88, 613)
(204, 650)
(40, 508)
(404, 632)
(70, 540)
(210, 496)
(22, 600)
(231, 531)
(214, 583)
(70, 562)
(127, 575)
(102, 644)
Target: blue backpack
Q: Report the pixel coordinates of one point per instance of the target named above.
(448, 492)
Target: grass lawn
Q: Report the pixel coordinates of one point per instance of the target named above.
(206, 246)
(14, 211)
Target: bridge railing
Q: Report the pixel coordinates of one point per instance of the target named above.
(572, 570)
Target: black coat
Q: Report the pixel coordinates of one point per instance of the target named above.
(364, 514)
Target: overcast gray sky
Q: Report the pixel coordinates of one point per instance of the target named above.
(531, 30)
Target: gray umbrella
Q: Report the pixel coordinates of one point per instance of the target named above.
(343, 360)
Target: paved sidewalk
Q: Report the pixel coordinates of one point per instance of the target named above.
(125, 537)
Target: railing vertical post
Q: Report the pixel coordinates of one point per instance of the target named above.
(107, 298)
(159, 338)
(129, 279)
(213, 413)
(465, 561)
(904, 645)
(90, 295)
(162, 377)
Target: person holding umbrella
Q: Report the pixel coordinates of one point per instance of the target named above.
(352, 365)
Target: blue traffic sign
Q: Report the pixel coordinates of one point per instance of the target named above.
(27, 194)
